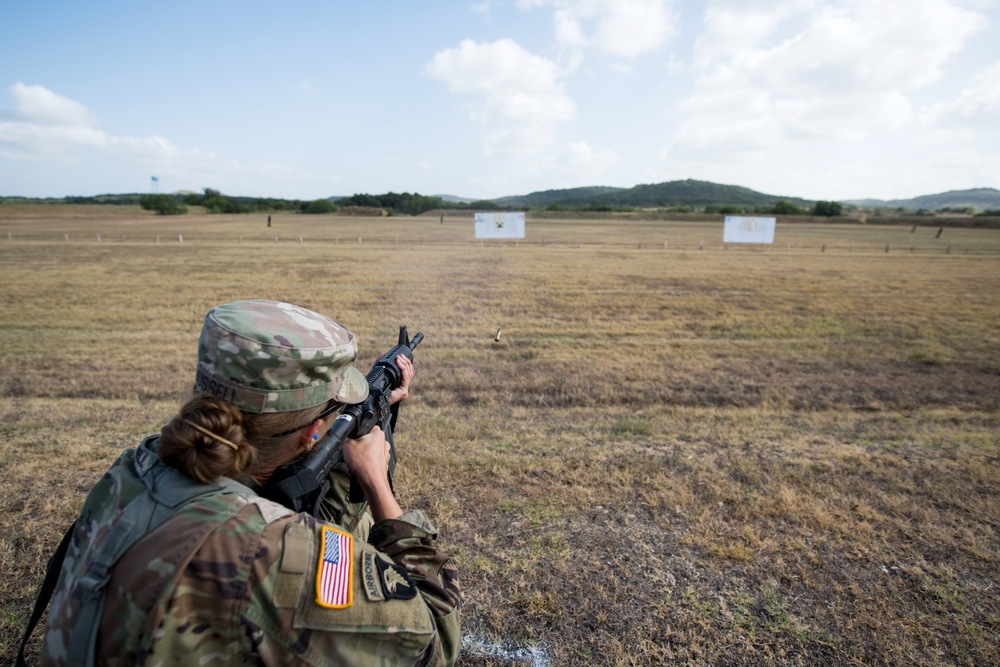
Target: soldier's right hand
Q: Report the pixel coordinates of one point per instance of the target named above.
(368, 460)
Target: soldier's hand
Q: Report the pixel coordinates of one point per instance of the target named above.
(403, 390)
(368, 460)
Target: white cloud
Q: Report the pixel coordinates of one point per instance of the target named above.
(674, 66)
(775, 77)
(52, 128)
(580, 157)
(39, 105)
(978, 104)
(620, 28)
(521, 93)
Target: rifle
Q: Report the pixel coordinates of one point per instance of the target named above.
(301, 485)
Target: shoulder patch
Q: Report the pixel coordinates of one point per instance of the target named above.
(396, 584)
(334, 571)
(372, 578)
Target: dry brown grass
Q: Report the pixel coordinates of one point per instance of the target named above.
(775, 456)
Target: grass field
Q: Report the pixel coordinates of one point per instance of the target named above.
(679, 452)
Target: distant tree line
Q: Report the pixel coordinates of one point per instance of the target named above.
(404, 203)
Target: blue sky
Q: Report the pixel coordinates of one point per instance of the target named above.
(822, 99)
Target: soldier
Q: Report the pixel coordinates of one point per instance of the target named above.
(177, 559)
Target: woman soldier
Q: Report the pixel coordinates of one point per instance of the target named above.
(177, 559)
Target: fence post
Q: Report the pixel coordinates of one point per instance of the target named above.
(180, 239)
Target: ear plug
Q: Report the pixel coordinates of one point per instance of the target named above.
(315, 436)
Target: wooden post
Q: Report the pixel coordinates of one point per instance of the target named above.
(67, 237)
(180, 239)
(823, 249)
(664, 245)
(887, 248)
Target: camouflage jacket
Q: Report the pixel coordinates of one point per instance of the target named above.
(260, 585)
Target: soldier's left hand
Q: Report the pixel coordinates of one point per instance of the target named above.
(403, 390)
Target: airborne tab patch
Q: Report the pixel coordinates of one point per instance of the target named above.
(334, 572)
(372, 578)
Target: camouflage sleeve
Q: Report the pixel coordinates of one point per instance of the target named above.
(409, 542)
(320, 596)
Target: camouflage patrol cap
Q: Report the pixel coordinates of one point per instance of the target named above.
(269, 356)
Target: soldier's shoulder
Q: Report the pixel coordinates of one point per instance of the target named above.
(341, 576)
(330, 583)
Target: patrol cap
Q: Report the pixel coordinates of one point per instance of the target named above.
(270, 356)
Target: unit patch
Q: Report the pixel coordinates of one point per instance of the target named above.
(384, 580)
(333, 572)
(396, 584)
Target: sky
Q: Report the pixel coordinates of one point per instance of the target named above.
(819, 99)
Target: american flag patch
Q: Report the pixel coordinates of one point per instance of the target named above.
(333, 576)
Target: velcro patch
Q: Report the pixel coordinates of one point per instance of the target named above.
(396, 583)
(334, 571)
(372, 578)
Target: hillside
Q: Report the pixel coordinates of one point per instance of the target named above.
(976, 198)
(674, 193)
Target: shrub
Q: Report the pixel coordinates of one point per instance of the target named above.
(828, 208)
(319, 206)
(786, 208)
(162, 204)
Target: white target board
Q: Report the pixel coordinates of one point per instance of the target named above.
(500, 225)
(740, 229)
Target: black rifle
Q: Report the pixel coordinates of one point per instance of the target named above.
(301, 485)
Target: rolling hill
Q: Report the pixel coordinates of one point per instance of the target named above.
(674, 193)
(704, 193)
(976, 198)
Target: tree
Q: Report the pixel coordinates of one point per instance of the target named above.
(827, 208)
(319, 206)
(783, 207)
(215, 202)
(162, 204)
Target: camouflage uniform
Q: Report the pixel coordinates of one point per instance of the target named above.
(232, 578)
